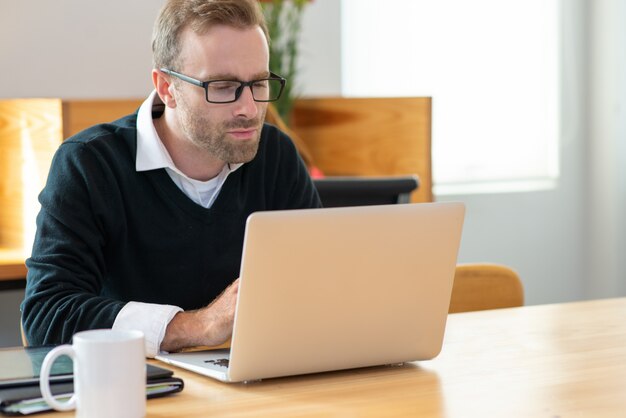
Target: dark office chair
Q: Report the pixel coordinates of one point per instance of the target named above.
(363, 191)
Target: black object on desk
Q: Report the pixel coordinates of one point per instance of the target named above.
(363, 191)
(19, 380)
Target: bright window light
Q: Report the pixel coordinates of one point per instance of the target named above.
(492, 69)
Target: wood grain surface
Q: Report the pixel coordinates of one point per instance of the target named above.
(562, 360)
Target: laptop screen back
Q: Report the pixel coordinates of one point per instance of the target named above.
(329, 289)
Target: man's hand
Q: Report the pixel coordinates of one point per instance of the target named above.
(209, 326)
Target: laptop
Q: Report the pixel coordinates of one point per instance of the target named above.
(338, 288)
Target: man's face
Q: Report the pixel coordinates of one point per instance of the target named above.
(229, 131)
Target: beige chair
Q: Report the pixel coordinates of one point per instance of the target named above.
(479, 287)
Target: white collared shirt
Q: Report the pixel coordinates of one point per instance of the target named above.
(153, 318)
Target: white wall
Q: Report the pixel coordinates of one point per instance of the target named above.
(606, 149)
(544, 234)
(76, 48)
(320, 56)
(101, 49)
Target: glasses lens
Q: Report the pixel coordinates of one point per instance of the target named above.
(222, 91)
(267, 90)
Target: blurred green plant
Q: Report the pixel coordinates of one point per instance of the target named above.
(284, 19)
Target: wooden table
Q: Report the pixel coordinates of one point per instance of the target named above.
(564, 360)
(12, 269)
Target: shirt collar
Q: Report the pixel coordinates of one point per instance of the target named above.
(151, 153)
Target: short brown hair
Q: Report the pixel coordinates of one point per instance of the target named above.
(199, 15)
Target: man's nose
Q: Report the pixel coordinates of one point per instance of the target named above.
(245, 105)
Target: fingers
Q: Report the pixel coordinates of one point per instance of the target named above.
(235, 285)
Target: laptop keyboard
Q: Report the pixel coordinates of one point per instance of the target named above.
(218, 363)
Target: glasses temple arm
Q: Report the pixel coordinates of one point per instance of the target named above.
(183, 77)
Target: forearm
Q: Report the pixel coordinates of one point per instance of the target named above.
(190, 329)
(209, 326)
(184, 330)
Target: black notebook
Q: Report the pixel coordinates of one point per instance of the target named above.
(19, 380)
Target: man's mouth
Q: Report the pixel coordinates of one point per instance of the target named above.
(243, 134)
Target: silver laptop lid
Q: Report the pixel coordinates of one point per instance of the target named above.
(330, 289)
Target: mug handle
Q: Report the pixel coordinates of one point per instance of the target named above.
(44, 378)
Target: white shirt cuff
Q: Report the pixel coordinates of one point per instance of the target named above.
(150, 318)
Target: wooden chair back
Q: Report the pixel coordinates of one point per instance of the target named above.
(368, 137)
(479, 287)
(82, 114)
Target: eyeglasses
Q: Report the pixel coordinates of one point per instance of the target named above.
(228, 91)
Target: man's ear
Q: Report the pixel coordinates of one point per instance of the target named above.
(162, 85)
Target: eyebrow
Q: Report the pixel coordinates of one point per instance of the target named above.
(230, 77)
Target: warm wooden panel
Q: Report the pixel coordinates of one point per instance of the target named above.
(345, 136)
(81, 114)
(12, 265)
(30, 133)
(369, 137)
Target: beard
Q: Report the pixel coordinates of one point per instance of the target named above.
(212, 136)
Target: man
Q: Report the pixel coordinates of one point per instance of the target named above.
(142, 220)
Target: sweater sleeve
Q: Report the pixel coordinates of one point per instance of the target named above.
(67, 268)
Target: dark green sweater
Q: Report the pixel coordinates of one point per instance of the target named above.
(107, 234)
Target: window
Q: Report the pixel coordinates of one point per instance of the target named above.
(492, 68)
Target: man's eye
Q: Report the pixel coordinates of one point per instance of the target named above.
(226, 85)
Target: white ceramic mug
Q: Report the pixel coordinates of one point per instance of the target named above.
(109, 374)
